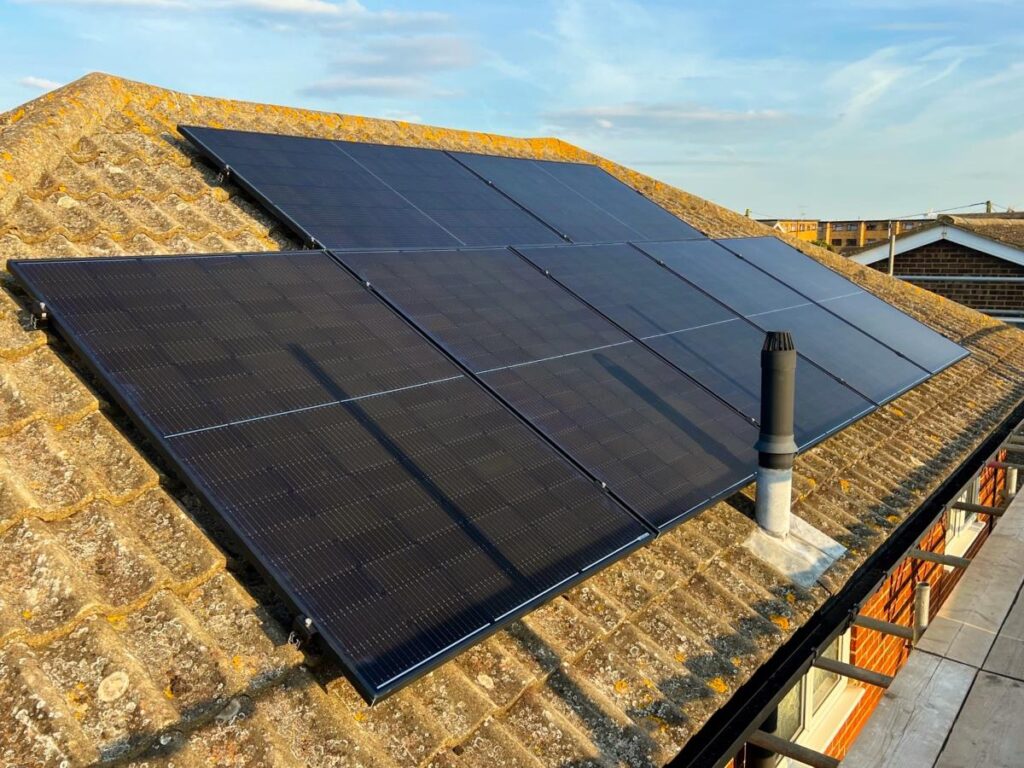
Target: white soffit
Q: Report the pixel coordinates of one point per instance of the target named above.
(949, 232)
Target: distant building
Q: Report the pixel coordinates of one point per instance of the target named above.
(976, 260)
(844, 234)
(802, 229)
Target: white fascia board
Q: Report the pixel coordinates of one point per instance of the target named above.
(949, 232)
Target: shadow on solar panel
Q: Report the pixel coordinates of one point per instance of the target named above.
(389, 498)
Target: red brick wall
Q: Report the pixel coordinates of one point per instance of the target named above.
(894, 602)
(946, 258)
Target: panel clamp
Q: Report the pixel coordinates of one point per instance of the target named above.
(40, 315)
(303, 631)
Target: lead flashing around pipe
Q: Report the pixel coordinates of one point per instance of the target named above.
(802, 556)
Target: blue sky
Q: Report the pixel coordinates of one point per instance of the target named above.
(824, 109)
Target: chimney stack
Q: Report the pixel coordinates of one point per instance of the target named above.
(776, 445)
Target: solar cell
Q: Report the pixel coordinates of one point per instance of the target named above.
(389, 497)
(877, 318)
(650, 220)
(450, 194)
(320, 191)
(662, 443)
(693, 331)
(566, 210)
(870, 368)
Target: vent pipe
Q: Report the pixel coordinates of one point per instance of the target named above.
(776, 445)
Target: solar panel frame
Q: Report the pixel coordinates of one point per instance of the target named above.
(350, 259)
(610, 194)
(571, 223)
(757, 304)
(659, 342)
(156, 437)
(831, 291)
(451, 178)
(410, 226)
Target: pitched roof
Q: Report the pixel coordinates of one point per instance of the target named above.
(1002, 227)
(996, 234)
(126, 632)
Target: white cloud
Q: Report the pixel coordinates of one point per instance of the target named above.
(409, 55)
(341, 13)
(369, 85)
(39, 83)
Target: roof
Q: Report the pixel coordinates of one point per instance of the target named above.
(128, 633)
(996, 234)
(1002, 227)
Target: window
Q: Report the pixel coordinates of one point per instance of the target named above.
(837, 241)
(814, 709)
(963, 527)
(851, 241)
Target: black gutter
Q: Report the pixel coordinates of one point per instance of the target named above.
(726, 731)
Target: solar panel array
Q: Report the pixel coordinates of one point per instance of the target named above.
(499, 376)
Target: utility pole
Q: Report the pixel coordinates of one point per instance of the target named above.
(892, 248)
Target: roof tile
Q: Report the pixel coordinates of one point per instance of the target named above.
(109, 692)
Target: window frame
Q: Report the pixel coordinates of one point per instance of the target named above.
(816, 729)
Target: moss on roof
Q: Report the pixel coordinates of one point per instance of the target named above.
(1002, 227)
(127, 634)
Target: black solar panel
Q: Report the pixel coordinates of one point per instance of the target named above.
(451, 195)
(320, 191)
(391, 498)
(693, 331)
(569, 212)
(664, 445)
(870, 368)
(875, 317)
(650, 220)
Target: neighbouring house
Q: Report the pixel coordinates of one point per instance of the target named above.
(132, 633)
(845, 235)
(801, 229)
(974, 259)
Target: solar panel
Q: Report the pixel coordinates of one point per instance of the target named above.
(845, 298)
(566, 210)
(450, 194)
(870, 368)
(319, 190)
(650, 220)
(693, 331)
(664, 445)
(390, 498)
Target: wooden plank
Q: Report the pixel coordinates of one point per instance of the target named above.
(792, 750)
(967, 623)
(1007, 654)
(988, 730)
(852, 672)
(910, 724)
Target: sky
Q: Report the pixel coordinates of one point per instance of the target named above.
(828, 109)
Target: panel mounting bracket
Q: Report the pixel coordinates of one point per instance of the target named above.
(40, 315)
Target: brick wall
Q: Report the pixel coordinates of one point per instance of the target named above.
(946, 258)
(894, 602)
